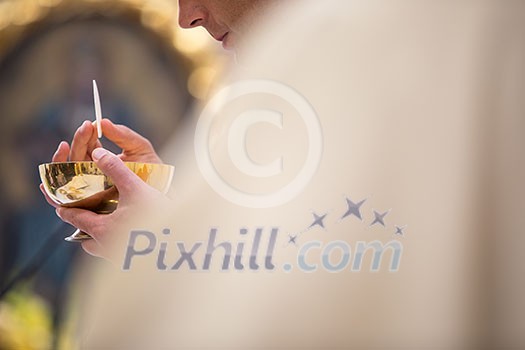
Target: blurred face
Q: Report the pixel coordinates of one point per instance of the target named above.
(226, 20)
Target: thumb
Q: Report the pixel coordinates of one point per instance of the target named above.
(124, 179)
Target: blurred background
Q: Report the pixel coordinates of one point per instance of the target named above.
(463, 271)
(149, 72)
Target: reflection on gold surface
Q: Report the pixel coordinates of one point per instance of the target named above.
(80, 186)
(84, 185)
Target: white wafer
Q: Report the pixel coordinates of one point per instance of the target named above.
(98, 109)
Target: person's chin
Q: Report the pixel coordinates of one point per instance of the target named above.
(228, 42)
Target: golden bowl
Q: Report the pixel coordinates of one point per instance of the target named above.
(83, 185)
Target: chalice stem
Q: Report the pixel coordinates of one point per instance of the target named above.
(78, 236)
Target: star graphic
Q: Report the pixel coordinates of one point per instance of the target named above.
(379, 218)
(318, 220)
(353, 209)
(399, 230)
(292, 239)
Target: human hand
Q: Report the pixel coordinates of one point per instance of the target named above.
(135, 148)
(106, 229)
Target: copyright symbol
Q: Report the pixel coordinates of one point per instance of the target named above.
(236, 142)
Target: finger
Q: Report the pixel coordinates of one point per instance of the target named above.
(79, 146)
(84, 220)
(48, 199)
(92, 247)
(124, 137)
(61, 153)
(124, 179)
(93, 142)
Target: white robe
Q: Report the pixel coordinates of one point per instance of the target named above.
(422, 110)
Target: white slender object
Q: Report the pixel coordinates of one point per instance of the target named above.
(98, 109)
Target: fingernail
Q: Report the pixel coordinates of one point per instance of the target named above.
(98, 153)
(57, 211)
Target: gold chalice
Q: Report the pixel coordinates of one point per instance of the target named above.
(83, 185)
